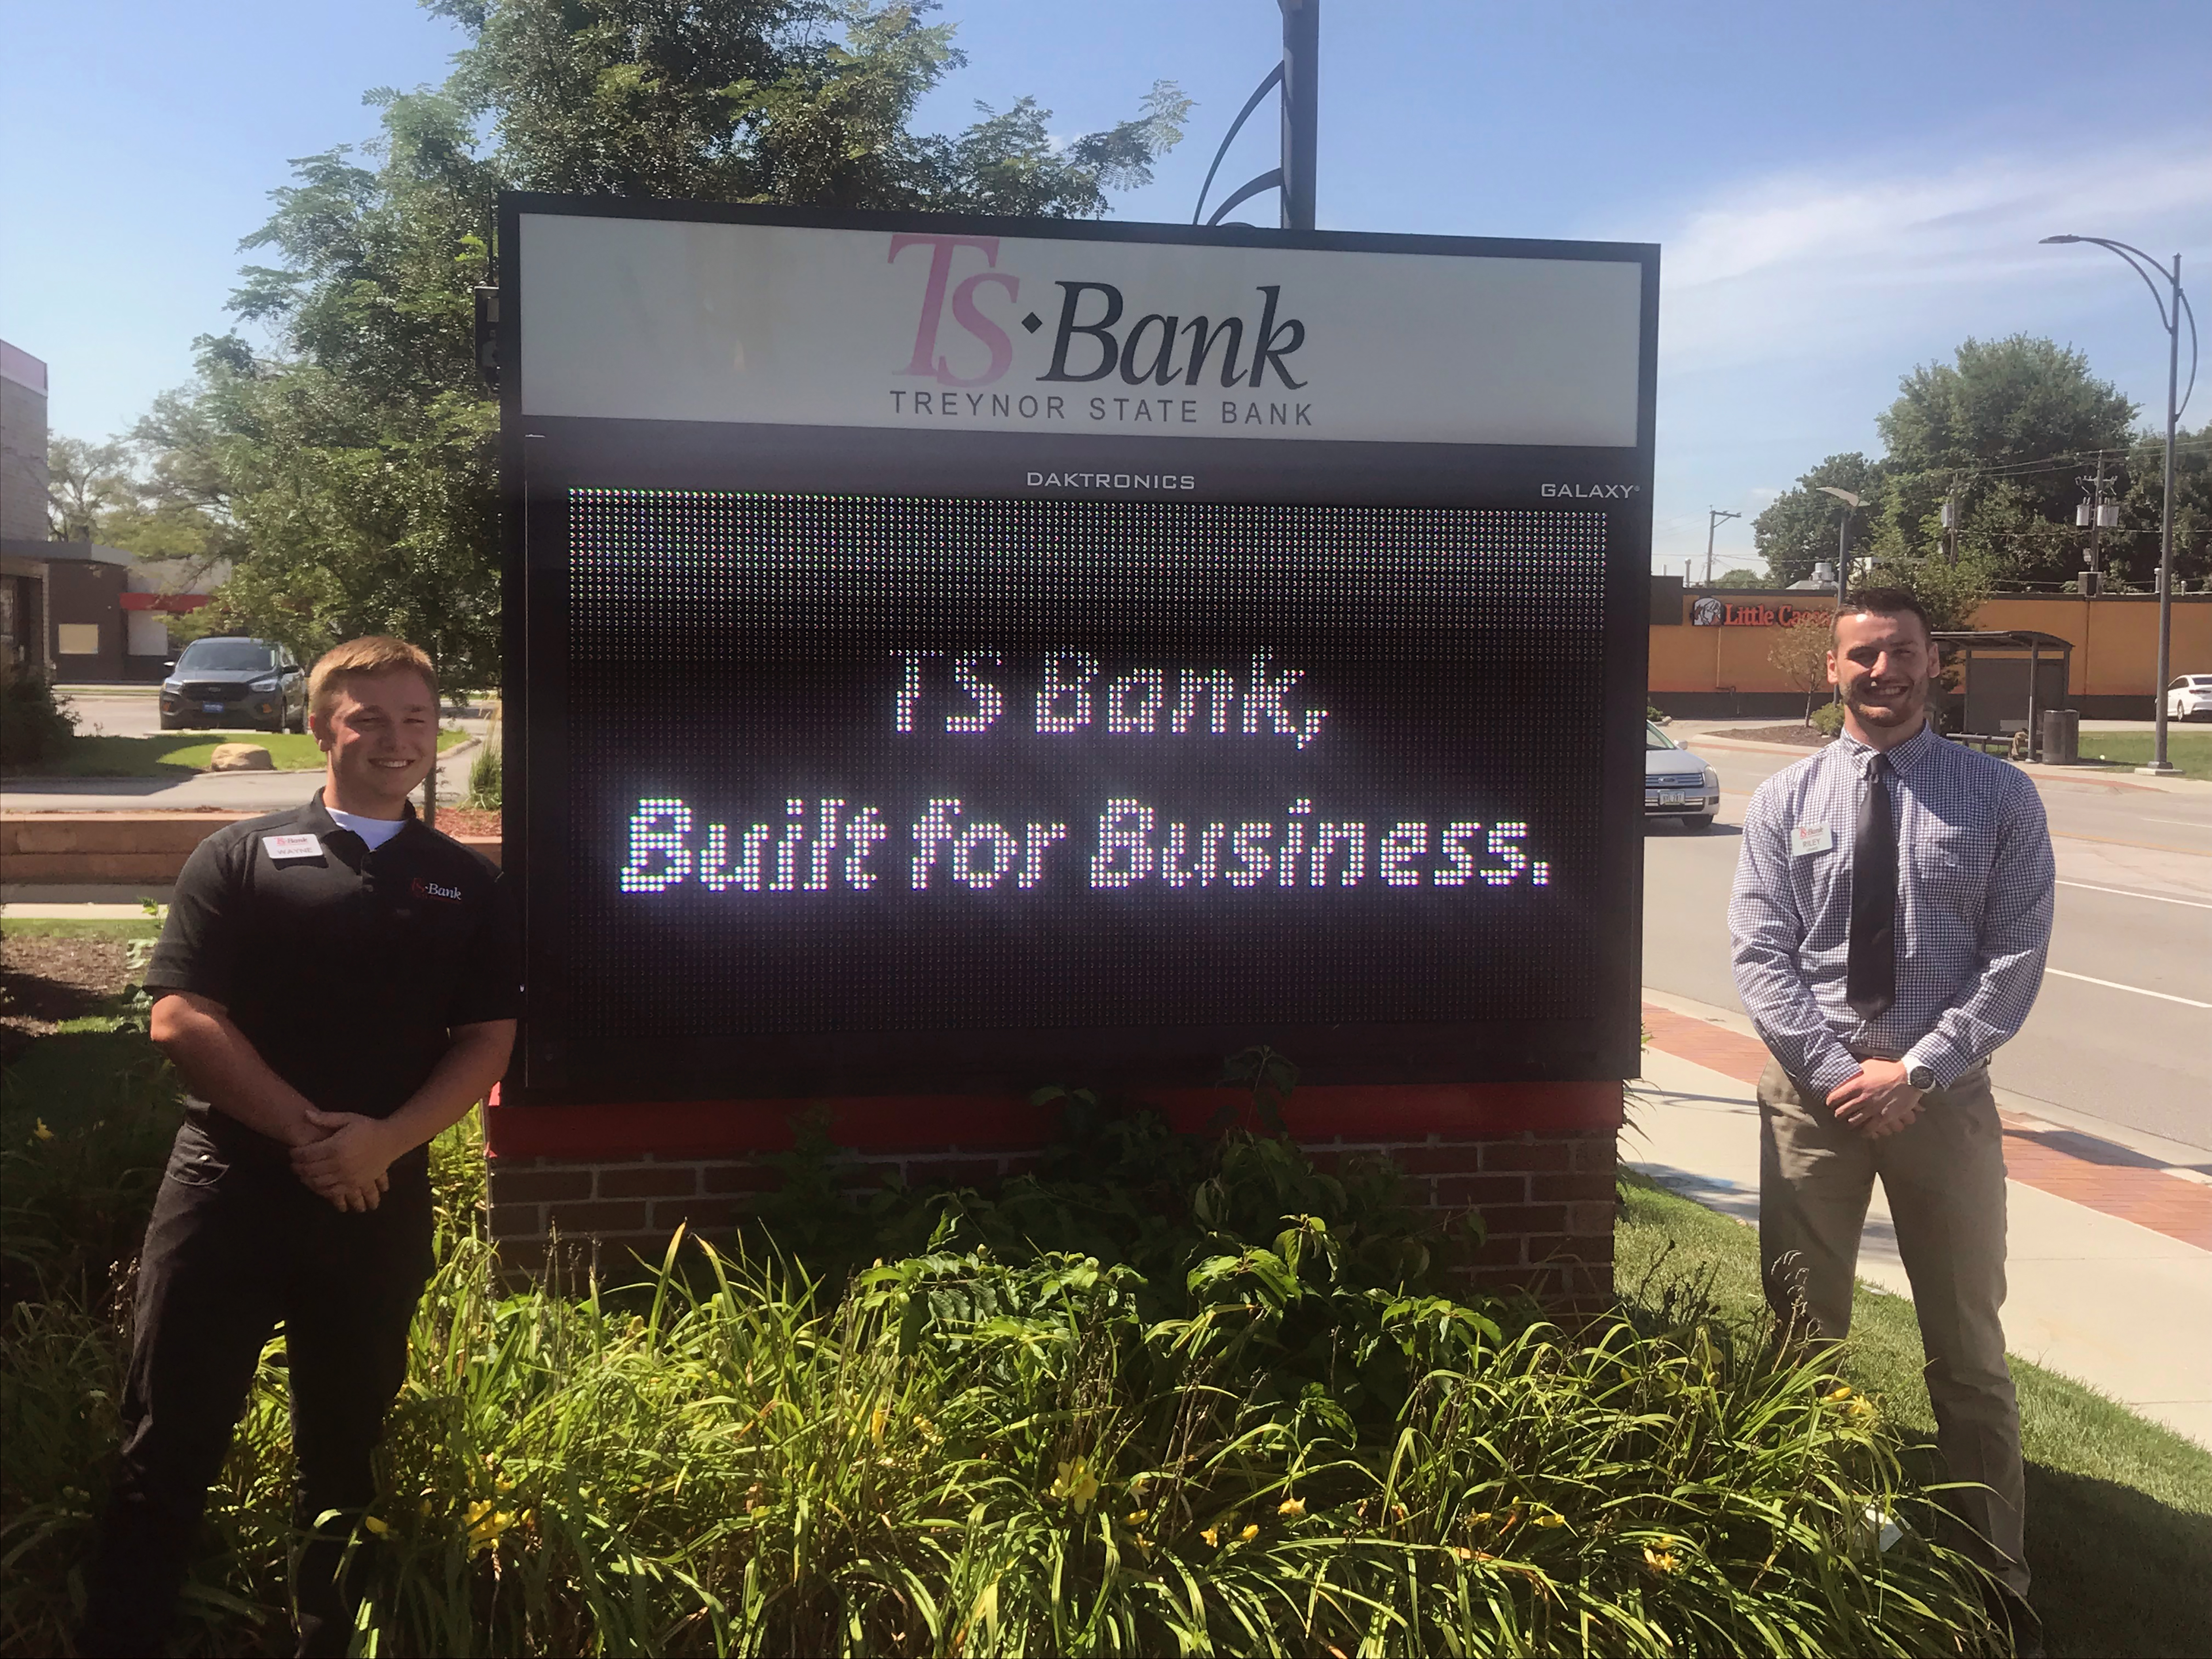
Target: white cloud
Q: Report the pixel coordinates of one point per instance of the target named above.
(1785, 263)
(1791, 305)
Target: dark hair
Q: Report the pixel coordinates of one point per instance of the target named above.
(1884, 602)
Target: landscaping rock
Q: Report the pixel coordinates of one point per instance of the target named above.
(241, 757)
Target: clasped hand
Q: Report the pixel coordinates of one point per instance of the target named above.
(347, 1162)
(1876, 1102)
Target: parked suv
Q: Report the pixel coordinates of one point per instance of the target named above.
(2189, 698)
(226, 681)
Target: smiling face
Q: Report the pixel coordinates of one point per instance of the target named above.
(1882, 664)
(379, 734)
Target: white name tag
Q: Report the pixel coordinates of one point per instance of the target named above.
(293, 846)
(1810, 838)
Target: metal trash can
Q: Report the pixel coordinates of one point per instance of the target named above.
(2062, 736)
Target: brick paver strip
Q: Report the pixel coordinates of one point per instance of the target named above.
(2076, 1167)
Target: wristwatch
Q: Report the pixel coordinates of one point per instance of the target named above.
(1920, 1077)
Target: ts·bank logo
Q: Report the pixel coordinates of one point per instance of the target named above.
(1164, 354)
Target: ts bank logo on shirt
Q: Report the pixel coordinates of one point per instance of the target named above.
(1099, 338)
(431, 890)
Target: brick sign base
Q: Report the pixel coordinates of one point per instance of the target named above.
(1535, 1161)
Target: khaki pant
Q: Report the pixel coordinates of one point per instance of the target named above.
(1945, 1180)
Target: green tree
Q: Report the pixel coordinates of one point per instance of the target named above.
(2013, 425)
(2132, 551)
(1798, 528)
(354, 470)
(86, 484)
(1742, 577)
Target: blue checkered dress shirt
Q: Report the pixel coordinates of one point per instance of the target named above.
(1974, 895)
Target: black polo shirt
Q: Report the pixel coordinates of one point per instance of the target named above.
(346, 968)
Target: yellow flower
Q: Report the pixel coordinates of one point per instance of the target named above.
(42, 1133)
(1551, 1520)
(381, 1529)
(1291, 1506)
(1248, 1534)
(1662, 1562)
(1843, 1392)
(1077, 1485)
(1137, 1518)
(485, 1525)
(875, 1425)
(1212, 1536)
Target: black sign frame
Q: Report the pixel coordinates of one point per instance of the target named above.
(542, 457)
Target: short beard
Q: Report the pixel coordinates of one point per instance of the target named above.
(1883, 715)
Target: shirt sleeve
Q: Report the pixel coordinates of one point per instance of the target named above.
(198, 950)
(490, 985)
(2014, 943)
(1765, 932)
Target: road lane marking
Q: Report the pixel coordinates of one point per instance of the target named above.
(2130, 892)
(2114, 985)
(2067, 835)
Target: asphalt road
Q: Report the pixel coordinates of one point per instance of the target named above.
(2134, 912)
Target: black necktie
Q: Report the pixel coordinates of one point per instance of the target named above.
(1870, 969)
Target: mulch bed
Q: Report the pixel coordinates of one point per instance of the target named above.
(44, 980)
(466, 821)
(1805, 736)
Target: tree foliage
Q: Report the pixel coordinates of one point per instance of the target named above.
(1799, 527)
(350, 474)
(2012, 431)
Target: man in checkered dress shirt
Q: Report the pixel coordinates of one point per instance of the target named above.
(1880, 1026)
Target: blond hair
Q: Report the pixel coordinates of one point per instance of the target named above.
(372, 653)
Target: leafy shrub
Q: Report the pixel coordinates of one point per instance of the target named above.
(485, 789)
(1828, 719)
(33, 726)
(983, 1446)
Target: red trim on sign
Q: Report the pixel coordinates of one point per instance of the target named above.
(881, 1123)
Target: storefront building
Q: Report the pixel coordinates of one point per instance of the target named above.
(1712, 650)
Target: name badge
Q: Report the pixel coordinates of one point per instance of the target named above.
(1810, 838)
(293, 846)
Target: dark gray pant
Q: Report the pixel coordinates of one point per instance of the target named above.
(236, 1244)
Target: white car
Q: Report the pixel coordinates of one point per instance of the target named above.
(2189, 698)
(1676, 783)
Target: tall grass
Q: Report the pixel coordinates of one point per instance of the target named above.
(967, 1453)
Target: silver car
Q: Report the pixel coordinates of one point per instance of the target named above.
(1676, 783)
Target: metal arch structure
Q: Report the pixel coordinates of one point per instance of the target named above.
(1296, 74)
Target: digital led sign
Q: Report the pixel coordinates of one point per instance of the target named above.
(966, 654)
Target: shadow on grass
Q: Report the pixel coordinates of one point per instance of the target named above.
(2115, 1567)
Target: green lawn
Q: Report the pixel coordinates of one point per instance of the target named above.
(42, 928)
(2117, 1507)
(172, 753)
(2190, 751)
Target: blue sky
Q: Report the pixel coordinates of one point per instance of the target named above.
(1840, 191)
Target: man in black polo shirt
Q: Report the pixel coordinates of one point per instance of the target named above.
(338, 983)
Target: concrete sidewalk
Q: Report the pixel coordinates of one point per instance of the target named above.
(2111, 1245)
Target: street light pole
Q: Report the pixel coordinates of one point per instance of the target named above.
(2170, 316)
(1851, 504)
(1713, 517)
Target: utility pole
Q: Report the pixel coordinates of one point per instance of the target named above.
(2099, 515)
(1713, 517)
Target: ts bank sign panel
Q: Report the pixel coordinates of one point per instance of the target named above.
(966, 653)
